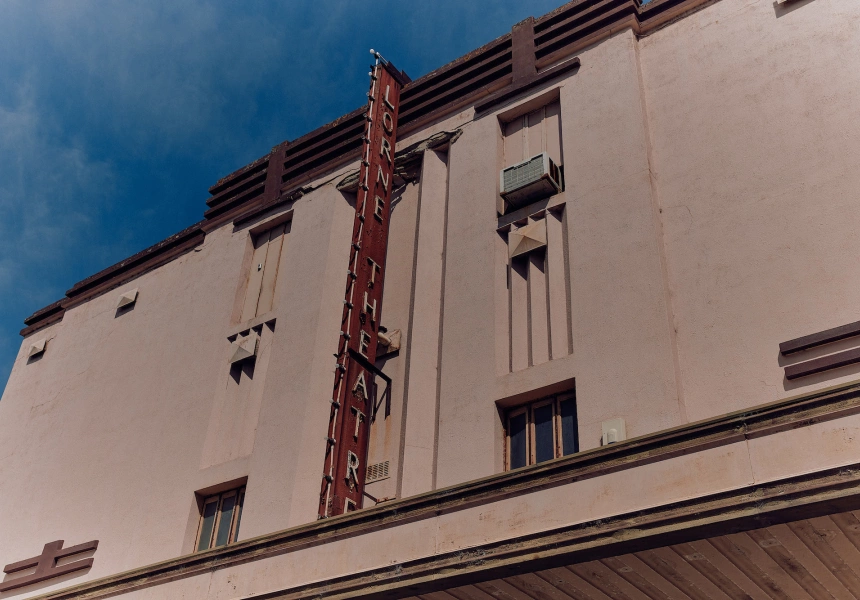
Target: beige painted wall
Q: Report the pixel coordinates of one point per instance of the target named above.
(711, 170)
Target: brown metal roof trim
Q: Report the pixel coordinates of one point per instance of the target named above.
(324, 146)
(423, 97)
(465, 80)
(247, 191)
(524, 85)
(47, 320)
(839, 486)
(229, 180)
(339, 142)
(561, 30)
(483, 72)
(189, 233)
(564, 12)
(44, 313)
(239, 184)
(458, 65)
(660, 12)
(44, 317)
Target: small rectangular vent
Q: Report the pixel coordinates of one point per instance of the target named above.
(377, 472)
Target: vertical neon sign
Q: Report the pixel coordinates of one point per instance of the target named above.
(348, 436)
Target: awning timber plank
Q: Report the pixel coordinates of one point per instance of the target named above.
(807, 559)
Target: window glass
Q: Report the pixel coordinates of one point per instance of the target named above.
(541, 431)
(226, 520)
(544, 443)
(518, 441)
(238, 516)
(219, 521)
(569, 429)
(207, 524)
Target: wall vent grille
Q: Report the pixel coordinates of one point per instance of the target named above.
(524, 173)
(530, 180)
(377, 472)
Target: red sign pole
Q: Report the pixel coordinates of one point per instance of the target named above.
(351, 405)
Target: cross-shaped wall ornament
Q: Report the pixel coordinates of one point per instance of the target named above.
(46, 564)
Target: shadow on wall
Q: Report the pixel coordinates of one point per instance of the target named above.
(243, 369)
(817, 378)
(780, 10)
(30, 361)
(397, 195)
(122, 310)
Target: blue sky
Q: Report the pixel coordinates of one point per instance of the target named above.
(116, 117)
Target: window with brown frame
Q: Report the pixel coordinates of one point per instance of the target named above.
(219, 519)
(542, 430)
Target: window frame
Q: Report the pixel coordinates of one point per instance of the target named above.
(510, 414)
(555, 401)
(552, 402)
(569, 396)
(235, 518)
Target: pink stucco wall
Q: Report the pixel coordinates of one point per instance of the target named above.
(751, 108)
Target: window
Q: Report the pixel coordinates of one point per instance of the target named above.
(542, 430)
(260, 293)
(533, 133)
(219, 519)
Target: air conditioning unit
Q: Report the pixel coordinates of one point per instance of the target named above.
(530, 180)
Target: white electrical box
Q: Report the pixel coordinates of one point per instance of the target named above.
(614, 430)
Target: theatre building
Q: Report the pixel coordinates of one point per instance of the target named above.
(575, 316)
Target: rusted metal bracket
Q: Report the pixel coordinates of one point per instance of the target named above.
(386, 395)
